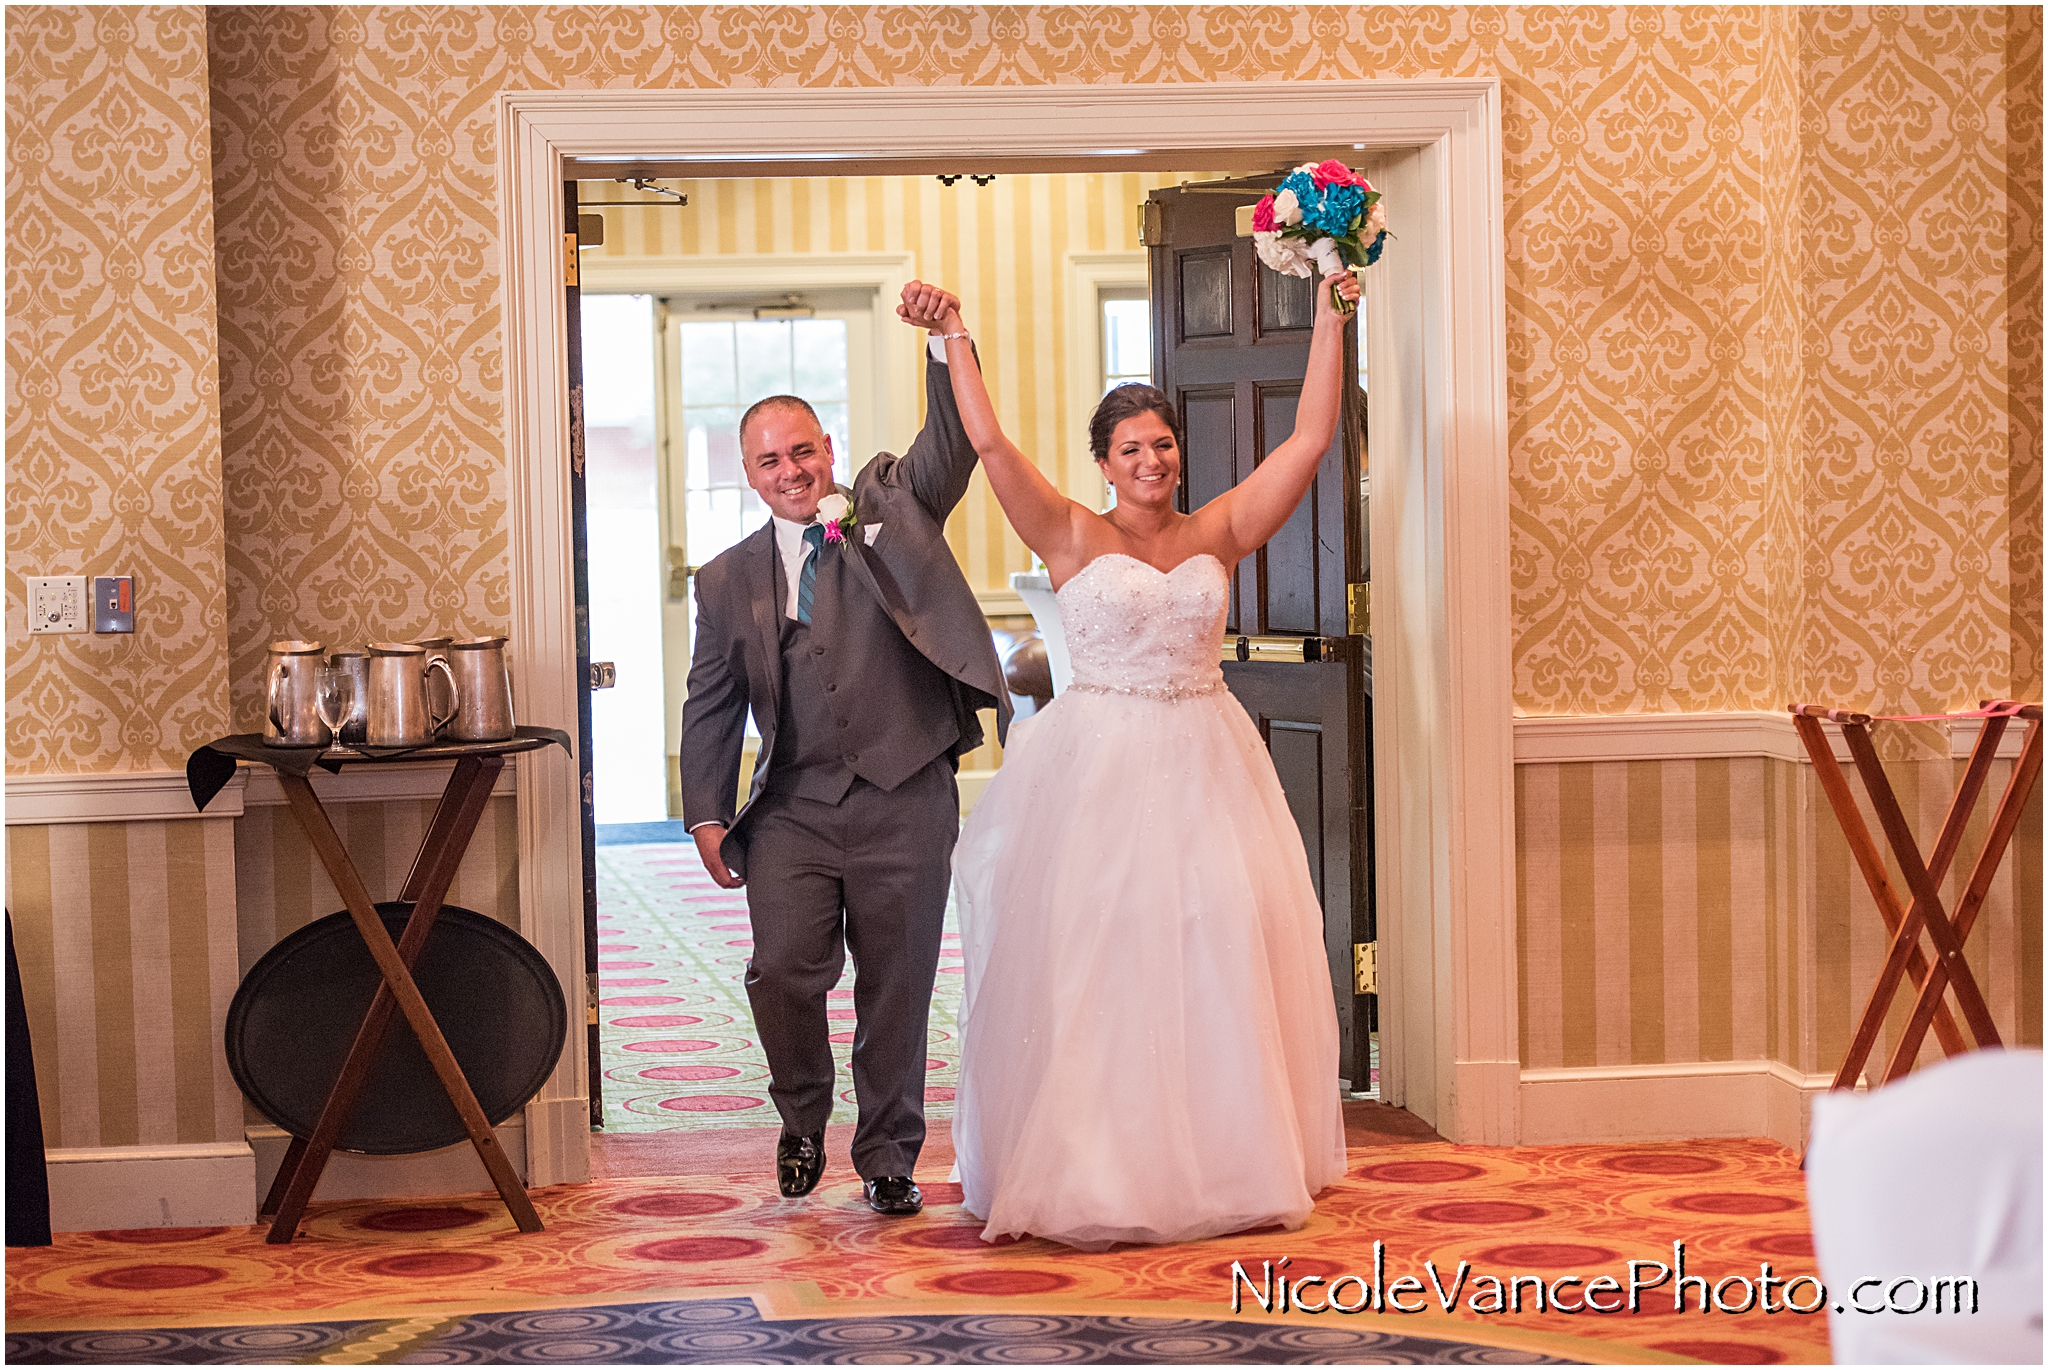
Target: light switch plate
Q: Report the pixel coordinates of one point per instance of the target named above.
(57, 604)
(113, 604)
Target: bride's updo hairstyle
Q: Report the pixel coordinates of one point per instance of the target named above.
(1127, 402)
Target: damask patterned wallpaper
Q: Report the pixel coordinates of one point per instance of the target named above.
(1767, 430)
(1912, 567)
(1671, 547)
(113, 416)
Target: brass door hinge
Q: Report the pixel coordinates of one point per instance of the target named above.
(590, 999)
(1358, 609)
(569, 257)
(1244, 220)
(1365, 966)
(1151, 224)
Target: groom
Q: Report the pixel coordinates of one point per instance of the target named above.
(855, 642)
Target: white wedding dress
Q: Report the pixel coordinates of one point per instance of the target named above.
(1148, 1034)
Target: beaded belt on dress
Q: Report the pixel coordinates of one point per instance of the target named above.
(1169, 693)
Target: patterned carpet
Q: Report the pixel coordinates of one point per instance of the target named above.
(727, 1249)
(723, 1331)
(678, 1038)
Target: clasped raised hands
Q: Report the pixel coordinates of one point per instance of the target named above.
(929, 307)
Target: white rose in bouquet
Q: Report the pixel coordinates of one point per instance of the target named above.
(1286, 209)
(1288, 256)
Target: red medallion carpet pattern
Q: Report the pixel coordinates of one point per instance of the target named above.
(678, 1038)
(1532, 1211)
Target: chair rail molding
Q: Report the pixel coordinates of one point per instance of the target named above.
(1445, 741)
(114, 797)
(1559, 738)
(139, 796)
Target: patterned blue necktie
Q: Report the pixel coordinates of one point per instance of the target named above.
(807, 582)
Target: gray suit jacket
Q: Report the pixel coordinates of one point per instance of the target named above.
(911, 571)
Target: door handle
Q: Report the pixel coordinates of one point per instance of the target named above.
(1294, 649)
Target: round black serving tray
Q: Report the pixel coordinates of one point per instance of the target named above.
(295, 1016)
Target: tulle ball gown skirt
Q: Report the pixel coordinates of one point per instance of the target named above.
(1148, 1032)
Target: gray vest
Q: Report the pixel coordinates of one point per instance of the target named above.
(857, 698)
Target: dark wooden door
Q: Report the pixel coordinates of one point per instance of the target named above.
(1231, 342)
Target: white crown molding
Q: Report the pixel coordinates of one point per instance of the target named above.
(138, 796)
(113, 797)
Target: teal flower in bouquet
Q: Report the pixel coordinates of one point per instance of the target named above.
(1322, 214)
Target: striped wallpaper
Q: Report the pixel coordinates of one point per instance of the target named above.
(1001, 247)
(1669, 912)
(1709, 910)
(281, 885)
(133, 937)
(126, 933)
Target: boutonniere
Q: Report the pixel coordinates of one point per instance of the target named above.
(835, 511)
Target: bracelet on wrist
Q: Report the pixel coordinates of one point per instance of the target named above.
(948, 337)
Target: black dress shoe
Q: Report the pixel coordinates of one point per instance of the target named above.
(894, 1195)
(799, 1161)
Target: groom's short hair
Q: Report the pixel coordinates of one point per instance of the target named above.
(789, 402)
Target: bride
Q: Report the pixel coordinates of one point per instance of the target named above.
(1148, 1037)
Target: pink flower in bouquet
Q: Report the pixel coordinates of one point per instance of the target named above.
(1334, 172)
(1262, 216)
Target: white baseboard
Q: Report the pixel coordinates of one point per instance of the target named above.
(423, 1174)
(1664, 1103)
(101, 1188)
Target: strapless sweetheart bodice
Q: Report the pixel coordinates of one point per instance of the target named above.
(1136, 630)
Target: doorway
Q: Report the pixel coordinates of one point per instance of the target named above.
(705, 347)
(1444, 712)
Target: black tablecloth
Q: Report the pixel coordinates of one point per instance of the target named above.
(210, 768)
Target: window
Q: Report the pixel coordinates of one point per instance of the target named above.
(1126, 337)
(726, 365)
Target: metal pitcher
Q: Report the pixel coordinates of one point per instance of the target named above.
(291, 694)
(398, 712)
(357, 666)
(439, 700)
(484, 683)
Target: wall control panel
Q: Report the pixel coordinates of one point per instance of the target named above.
(78, 604)
(57, 604)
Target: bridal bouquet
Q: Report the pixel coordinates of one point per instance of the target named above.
(1329, 215)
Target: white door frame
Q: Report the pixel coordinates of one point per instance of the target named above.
(1443, 697)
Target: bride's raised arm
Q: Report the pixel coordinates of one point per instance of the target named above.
(1255, 509)
(1044, 518)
